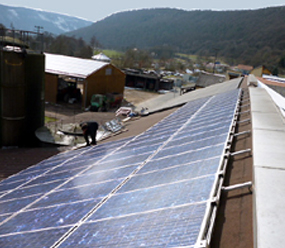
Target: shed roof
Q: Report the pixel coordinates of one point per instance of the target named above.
(101, 57)
(71, 66)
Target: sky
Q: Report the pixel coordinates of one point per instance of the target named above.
(97, 10)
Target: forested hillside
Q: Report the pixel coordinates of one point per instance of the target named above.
(245, 36)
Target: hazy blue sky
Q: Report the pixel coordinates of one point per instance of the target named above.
(97, 10)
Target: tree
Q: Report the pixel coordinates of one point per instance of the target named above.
(70, 46)
(282, 62)
(2, 29)
(135, 58)
(95, 44)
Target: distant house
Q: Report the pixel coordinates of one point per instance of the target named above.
(150, 81)
(238, 71)
(244, 69)
(231, 74)
(260, 70)
(206, 79)
(94, 77)
(101, 57)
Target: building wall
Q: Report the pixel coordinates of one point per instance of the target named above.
(257, 71)
(207, 79)
(109, 79)
(51, 82)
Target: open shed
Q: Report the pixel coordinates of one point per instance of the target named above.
(93, 77)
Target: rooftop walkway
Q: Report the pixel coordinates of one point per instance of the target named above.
(269, 170)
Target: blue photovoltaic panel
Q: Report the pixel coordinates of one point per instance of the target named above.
(85, 192)
(61, 215)
(158, 197)
(171, 174)
(151, 190)
(38, 189)
(186, 147)
(172, 227)
(43, 238)
(15, 205)
(100, 176)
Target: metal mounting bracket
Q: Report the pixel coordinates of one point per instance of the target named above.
(238, 186)
(240, 152)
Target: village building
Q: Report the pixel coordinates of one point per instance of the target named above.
(260, 71)
(90, 76)
(147, 81)
(206, 79)
(101, 57)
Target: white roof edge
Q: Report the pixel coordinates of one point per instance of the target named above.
(276, 97)
(71, 66)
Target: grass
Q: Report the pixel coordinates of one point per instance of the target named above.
(49, 119)
(188, 56)
(112, 53)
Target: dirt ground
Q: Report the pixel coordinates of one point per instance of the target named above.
(13, 159)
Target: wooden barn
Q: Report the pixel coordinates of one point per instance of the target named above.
(66, 76)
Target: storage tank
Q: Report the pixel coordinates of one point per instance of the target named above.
(13, 98)
(22, 97)
(35, 96)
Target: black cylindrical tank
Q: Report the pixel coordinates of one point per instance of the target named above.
(13, 98)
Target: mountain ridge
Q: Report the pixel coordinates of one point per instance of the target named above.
(239, 34)
(24, 18)
(254, 36)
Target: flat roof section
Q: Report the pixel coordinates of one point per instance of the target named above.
(268, 135)
(173, 99)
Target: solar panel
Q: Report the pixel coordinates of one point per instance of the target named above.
(152, 190)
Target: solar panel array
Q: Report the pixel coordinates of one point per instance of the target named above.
(151, 190)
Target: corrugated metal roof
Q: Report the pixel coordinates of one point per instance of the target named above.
(71, 66)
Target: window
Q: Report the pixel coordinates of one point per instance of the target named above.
(109, 71)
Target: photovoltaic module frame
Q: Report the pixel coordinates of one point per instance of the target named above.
(157, 189)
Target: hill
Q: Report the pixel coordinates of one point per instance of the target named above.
(26, 19)
(245, 35)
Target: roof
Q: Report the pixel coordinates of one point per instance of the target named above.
(171, 99)
(269, 82)
(268, 132)
(126, 193)
(274, 79)
(245, 67)
(206, 79)
(71, 66)
(101, 57)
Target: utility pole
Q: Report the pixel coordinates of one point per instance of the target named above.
(39, 29)
(41, 39)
